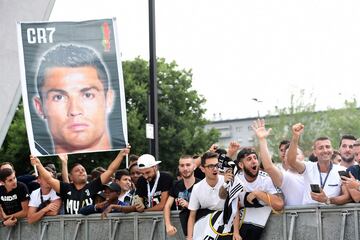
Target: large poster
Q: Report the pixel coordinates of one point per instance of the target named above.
(72, 86)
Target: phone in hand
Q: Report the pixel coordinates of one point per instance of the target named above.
(344, 173)
(315, 188)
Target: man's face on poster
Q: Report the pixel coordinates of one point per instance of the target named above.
(75, 105)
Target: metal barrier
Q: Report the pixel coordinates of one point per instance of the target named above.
(304, 222)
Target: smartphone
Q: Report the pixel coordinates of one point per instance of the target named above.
(344, 173)
(315, 188)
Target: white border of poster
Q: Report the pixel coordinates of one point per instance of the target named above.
(82, 109)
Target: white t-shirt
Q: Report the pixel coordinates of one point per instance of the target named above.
(311, 175)
(35, 199)
(205, 196)
(293, 188)
(262, 183)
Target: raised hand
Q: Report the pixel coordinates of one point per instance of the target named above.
(125, 151)
(297, 129)
(63, 157)
(233, 148)
(258, 127)
(34, 160)
(213, 148)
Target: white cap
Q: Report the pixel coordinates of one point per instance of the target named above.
(147, 161)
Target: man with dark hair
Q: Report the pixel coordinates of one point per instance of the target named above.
(180, 194)
(352, 183)
(14, 198)
(205, 194)
(135, 174)
(260, 198)
(74, 99)
(79, 193)
(123, 179)
(346, 150)
(321, 179)
(110, 194)
(282, 149)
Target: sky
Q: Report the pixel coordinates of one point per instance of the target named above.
(243, 50)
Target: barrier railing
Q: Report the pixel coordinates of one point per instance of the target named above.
(303, 222)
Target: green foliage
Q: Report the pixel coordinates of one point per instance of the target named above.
(181, 121)
(332, 123)
(15, 148)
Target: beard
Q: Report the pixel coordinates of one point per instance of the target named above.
(249, 173)
(348, 160)
(188, 175)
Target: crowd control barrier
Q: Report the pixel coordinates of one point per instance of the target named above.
(303, 223)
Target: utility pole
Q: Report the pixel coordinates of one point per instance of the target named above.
(152, 126)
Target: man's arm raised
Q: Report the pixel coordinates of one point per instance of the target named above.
(299, 166)
(54, 183)
(261, 133)
(114, 165)
(64, 168)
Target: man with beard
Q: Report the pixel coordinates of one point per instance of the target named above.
(322, 174)
(352, 183)
(153, 186)
(261, 196)
(180, 193)
(290, 182)
(79, 193)
(346, 150)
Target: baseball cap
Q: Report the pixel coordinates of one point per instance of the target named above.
(147, 161)
(113, 186)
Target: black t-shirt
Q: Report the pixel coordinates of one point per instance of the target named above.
(75, 199)
(11, 201)
(355, 171)
(179, 190)
(164, 185)
(199, 174)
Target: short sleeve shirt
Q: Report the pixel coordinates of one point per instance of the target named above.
(35, 197)
(179, 190)
(203, 196)
(164, 185)
(332, 187)
(11, 201)
(74, 199)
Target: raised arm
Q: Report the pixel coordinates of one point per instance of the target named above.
(64, 168)
(114, 165)
(232, 149)
(54, 183)
(299, 166)
(261, 133)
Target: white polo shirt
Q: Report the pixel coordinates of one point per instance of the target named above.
(332, 187)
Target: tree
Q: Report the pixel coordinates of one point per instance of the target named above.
(181, 121)
(15, 148)
(332, 123)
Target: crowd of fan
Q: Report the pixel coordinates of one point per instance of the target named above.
(229, 181)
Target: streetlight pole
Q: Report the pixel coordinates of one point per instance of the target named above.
(152, 127)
